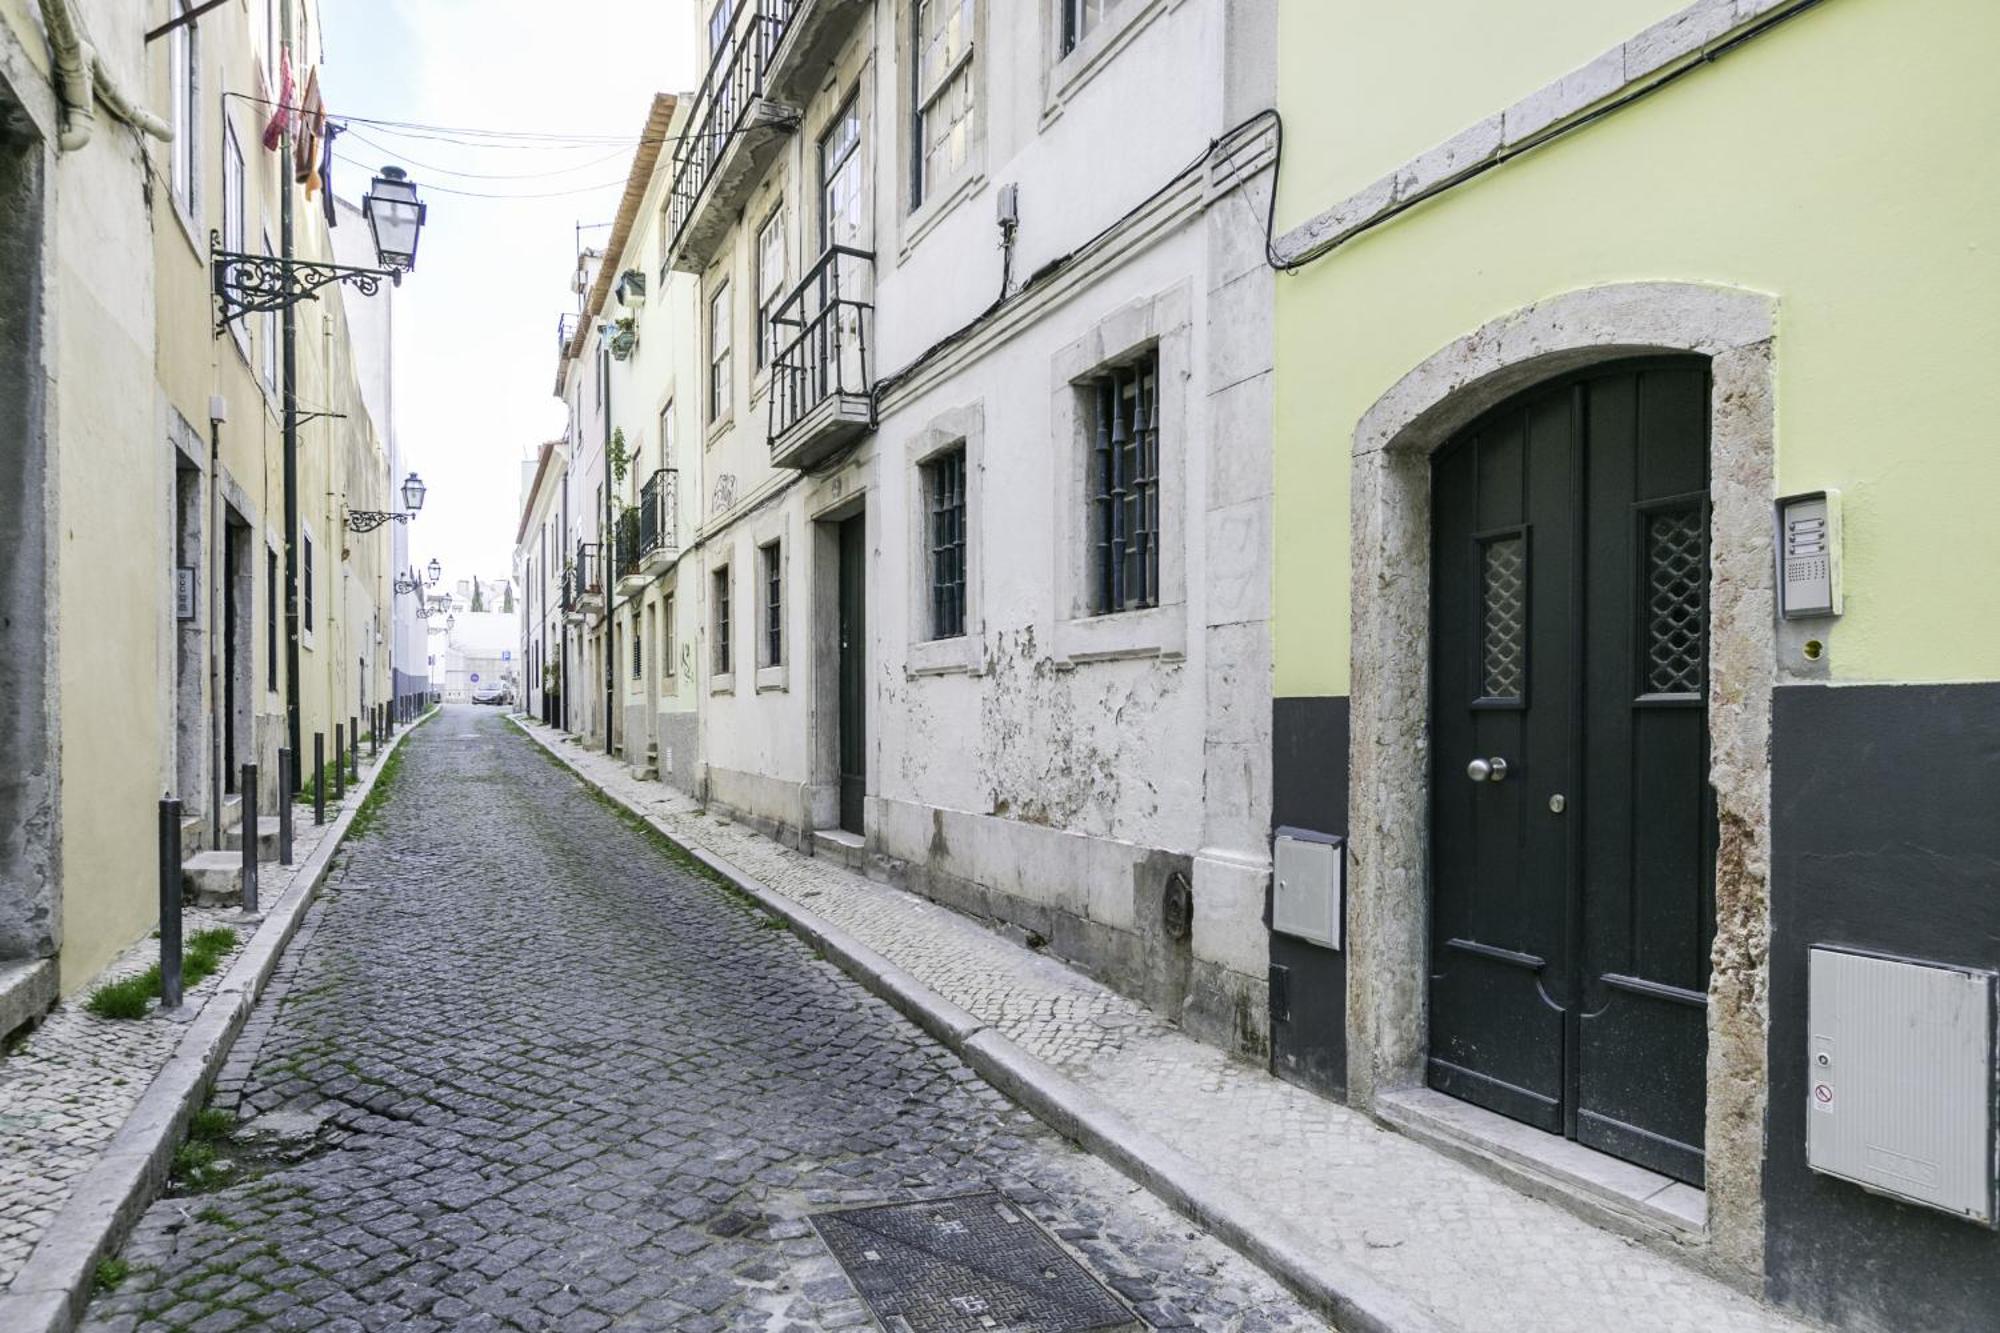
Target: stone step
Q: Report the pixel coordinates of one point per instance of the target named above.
(212, 879)
(267, 838)
(232, 812)
(194, 832)
(842, 848)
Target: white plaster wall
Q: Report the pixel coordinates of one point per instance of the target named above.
(1024, 766)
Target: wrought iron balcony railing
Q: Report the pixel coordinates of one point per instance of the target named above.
(627, 536)
(658, 512)
(584, 579)
(821, 379)
(730, 92)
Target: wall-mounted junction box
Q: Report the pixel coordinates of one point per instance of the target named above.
(1308, 885)
(1809, 555)
(1899, 1085)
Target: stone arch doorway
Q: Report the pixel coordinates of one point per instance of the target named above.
(1391, 764)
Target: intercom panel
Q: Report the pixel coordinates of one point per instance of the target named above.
(1809, 555)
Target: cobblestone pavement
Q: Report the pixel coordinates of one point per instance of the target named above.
(525, 1069)
(1478, 1253)
(67, 1088)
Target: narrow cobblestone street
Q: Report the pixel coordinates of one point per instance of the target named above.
(526, 1070)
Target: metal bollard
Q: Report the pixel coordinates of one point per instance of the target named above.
(375, 733)
(339, 763)
(354, 746)
(319, 777)
(249, 834)
(287, 785)
(170, 903)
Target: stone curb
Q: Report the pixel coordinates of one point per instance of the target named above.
(53, 1288)
(1355, 1301)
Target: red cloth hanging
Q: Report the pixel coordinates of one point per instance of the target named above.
(281, 115)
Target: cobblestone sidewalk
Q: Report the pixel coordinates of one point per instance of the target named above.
(69, 1085)
(1476, 1253)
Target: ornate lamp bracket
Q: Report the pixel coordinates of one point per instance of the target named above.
(247, 284)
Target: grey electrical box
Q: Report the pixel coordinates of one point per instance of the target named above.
(1809, 555)
(1308, 885)
(1899, 1083)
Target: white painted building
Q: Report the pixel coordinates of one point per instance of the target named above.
(973, 467)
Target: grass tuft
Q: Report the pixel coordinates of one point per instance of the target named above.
(211, 1124)
(111, 1272)
(201, 954)
(364, 818)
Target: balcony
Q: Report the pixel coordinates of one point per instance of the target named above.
(732, 135)
(583, 584)
(821, 398)
(626, 546)
(659, 517)
(808, 45)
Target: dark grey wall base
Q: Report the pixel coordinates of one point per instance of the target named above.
(1885, 814)
(1309, 791)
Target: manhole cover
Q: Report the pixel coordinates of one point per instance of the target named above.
(974, 1264)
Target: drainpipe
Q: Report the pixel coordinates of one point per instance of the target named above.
(83, 80)
(218, 578)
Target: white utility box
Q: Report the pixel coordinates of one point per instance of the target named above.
(1899, 1087)
(1308, 883)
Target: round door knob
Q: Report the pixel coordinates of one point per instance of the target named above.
(1487, 770)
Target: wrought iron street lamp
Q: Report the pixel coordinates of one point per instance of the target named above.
(256, 283)
(246, 284)
(367, 520)
(395, 219)
(413, 583)
(436, 571)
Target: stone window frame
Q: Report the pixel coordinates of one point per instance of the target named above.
(916, 222)
(959, 427)
(719, 576)
(1389, 786)
(1162, 324)
(308, 604)
(718, 400)
(772, 528)
(1064, 73)
(670, 669)
(184, 151)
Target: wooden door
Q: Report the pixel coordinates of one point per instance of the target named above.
(1572, 856)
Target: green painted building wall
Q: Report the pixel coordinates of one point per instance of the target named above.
(1838, 164)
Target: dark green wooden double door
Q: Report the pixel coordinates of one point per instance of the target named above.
(1572, 824)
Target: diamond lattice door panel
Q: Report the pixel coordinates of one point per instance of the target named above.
(972, 1264)
(1572, 825)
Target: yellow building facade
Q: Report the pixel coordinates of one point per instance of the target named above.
(155, 560)
(1536, 251)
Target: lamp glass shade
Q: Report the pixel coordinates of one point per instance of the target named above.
(395, 217)
(435, 570)
(413, 493)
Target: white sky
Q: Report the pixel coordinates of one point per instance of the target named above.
(476, 321)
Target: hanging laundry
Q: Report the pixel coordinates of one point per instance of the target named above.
(326, 176)
(281, 115)
(312, 125)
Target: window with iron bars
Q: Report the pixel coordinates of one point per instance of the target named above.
(638, 639)
(944, 503)
(722, 621)
(772, 566)
(1125, 486)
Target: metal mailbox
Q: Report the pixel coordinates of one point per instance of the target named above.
(1309, 885)
(1899, 1079)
